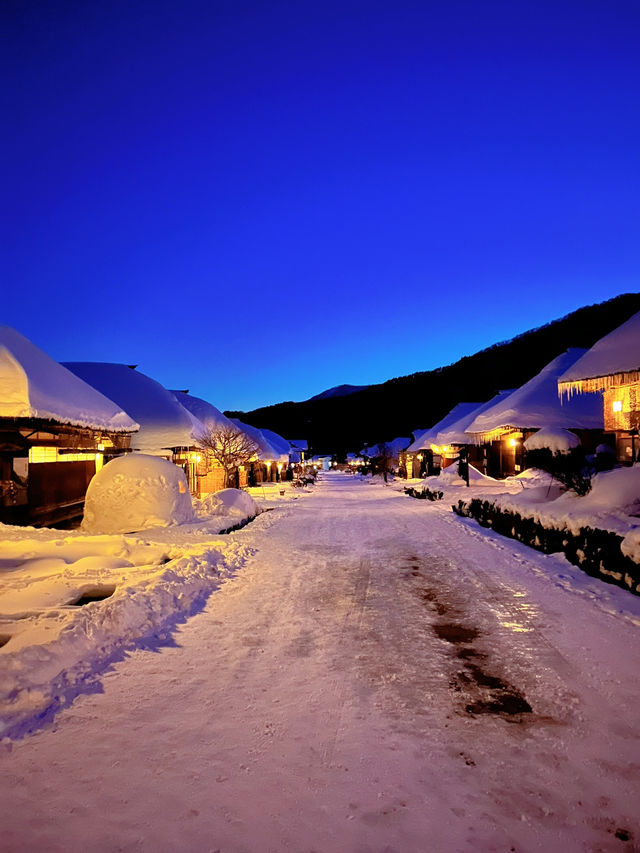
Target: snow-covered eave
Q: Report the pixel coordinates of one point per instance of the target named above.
(591, 384)
(45, 418)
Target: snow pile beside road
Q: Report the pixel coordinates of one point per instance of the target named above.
(229, 502)
(70, 604)
(134, 492)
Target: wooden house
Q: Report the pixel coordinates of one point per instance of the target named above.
(423, 457)
(612, 367)
(55, 433)
(167, 429)
(451, 440)
(269, 462)
(502, 428)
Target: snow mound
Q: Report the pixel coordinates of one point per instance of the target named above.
(233, 502)
(557, 440)
(618, 489)
(450, 474)
(134, 492)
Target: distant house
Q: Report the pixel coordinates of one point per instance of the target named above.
(452, 439)
(391, 449)
(298, 448)
(501, 429)
(209, 473)
(612, 366)
(421, 459)
(167, 429)
(55, 433)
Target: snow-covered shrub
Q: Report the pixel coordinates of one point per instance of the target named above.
(425, 493)
(134, 492)
(569, 467)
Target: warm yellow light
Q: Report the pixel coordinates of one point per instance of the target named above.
(512, 442)
(198, 458)
(268, 463)
(617, 405)
(419, 457)
(101, 447)
(279, 466)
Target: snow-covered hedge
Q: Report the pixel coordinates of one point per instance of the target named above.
(597, 552)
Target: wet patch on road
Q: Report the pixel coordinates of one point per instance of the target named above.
(480, 691)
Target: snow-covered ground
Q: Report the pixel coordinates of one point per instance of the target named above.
(379, 675)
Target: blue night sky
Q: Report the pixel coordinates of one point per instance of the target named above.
(258, 201)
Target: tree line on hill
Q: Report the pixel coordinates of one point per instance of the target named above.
(341, 424)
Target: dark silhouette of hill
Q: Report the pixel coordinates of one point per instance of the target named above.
(339, 391)
(400, 406)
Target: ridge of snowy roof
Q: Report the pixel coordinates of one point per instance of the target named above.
(206, 413)
(456, 433)
(266, 451)
(275, 440)
(617, 352)
(164, 422)
(428, 437)
(298, 443)
(536, 404)
(33, 385)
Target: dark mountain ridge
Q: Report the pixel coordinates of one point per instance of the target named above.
(341, 424)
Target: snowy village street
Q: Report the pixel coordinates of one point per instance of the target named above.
(379, 676)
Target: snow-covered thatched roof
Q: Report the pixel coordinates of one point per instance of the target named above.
(456, 433)
(33, 385)
(395, 446)
(536, 405)
(266, 450)
(281, 444)
(205, 412)
(298, 443)
(164, 423)
(613, 360)
(425, 439)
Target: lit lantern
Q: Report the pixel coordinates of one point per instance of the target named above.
(512, 442)
(419, 457)
(617, 405)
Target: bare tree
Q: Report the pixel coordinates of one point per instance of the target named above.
(229, 446)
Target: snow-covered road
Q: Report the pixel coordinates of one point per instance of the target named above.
(380, 676)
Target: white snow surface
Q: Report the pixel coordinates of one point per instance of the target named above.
(557, 440)
(164, 423)
(456, 433)
(204, 412)
(33, 385)
(134, 492)
(536, 404)
(428, 437)
(617, 352)
(321, 699)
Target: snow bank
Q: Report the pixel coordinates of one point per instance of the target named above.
(557, 440)
(134, 492)
(56, 646)
(33, 385)
(231, 502)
